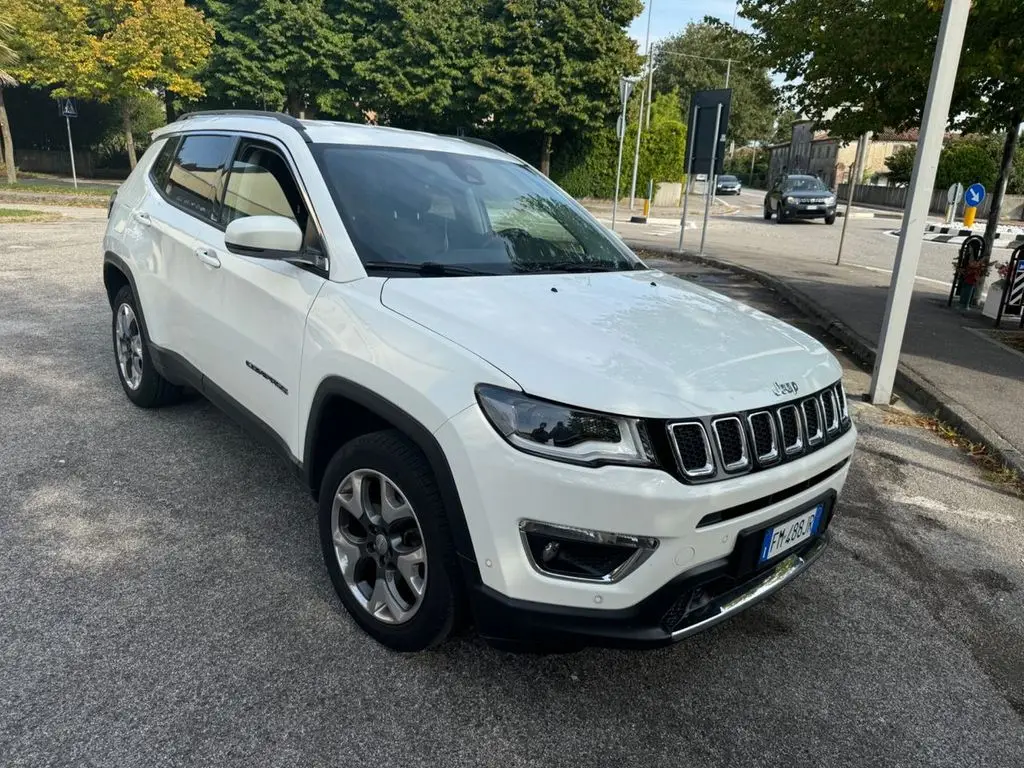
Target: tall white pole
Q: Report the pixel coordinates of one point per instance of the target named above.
(640, 121)
(636, 152)
(618, 169)
(728, 63)
(709, 185)
(71, 149)
(922, 181)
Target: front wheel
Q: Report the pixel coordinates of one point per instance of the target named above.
(141, 382)
(830, 219)
(780, 216)
(767, 213)
(386, 542)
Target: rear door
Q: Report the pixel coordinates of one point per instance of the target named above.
(256, 308)
(184, 223)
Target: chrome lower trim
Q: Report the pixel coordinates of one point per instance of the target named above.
(756, 590)
(645, 547)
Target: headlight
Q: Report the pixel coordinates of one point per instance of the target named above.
(790, 200)
(564, 433)
(830, 200)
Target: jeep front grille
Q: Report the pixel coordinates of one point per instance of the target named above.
(736, 443)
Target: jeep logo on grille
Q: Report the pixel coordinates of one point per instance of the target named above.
(785, 388)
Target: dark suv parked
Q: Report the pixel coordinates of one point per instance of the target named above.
(800, 197)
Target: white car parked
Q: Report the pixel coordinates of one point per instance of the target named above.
(506, 417)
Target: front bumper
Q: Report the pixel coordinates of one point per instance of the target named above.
(728, 191)
(688, 604)
(500, 487)
(798, 211)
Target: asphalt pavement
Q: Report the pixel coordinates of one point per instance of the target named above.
(164, 601)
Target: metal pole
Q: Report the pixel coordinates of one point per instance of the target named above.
(71, 148)
(618, 169)
(753, 157)
(854, 175)
(711, 176)
(922, 181)
(728, 63)
(636, 153)
(689, 172)
(650, 86)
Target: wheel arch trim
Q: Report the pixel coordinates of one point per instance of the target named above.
(423, 438)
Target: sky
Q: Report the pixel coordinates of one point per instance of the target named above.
(671, 16)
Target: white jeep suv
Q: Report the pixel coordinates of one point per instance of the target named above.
(506, 417)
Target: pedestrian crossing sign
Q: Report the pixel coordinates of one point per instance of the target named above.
(68, 108)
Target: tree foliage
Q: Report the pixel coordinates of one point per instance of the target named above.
(694, 60)
(111, 50)
(276, 54)
(966, 160)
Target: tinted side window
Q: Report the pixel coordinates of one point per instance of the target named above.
(161, 169)
(196, 174)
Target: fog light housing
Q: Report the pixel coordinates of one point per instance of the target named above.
(580, 554)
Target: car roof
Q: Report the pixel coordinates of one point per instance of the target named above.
(801, 176)
(331, 132)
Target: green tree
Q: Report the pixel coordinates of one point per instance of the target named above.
(553, 66)
(415, 61)
(696, 59)
(112, 50)
(279, 54)
(901, 164)
(7, 58)
(855, 67)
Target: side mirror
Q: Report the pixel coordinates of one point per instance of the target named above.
(264, 237)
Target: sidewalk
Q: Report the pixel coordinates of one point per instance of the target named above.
(949, 364)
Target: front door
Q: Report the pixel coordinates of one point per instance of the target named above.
(258, 306)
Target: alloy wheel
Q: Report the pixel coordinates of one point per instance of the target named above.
(379, 546)
(128, 341)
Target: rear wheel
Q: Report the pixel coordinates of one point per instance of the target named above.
(140, 380)
(386, 543)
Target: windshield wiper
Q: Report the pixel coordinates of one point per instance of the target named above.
(426, 268)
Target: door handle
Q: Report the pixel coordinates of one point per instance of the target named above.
(142, 217)
(207, 256)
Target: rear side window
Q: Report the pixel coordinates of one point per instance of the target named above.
(161, 169)
(195, 177)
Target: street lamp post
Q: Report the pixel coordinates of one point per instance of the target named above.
(625, 89)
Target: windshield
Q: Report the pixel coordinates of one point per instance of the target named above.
(805, 183)
(459, 214)
(729, 179)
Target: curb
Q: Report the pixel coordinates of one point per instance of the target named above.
(932, 235)
(911, 382)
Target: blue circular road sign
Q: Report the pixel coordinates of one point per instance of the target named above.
(974, 194)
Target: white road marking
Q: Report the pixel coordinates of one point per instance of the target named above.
(943, 283)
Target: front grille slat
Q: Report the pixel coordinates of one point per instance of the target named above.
(709, 448)
(732, 444)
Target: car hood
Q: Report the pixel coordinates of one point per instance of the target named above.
(805, 193)
(632, 343)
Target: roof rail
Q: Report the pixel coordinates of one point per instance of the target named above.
(281, 117)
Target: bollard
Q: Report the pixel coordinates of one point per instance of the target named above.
(969, 213)
(641, 219)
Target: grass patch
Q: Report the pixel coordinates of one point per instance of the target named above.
(49, 198)
(20, 214)
(84, 190)
(992, 468)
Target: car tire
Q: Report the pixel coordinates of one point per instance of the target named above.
(399, 579)
(830, 219)
(141, 381)
(767, 213)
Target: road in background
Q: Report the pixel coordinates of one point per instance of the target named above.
(164, 601)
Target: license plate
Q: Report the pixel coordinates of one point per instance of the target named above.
(787, 535)
(812, 207)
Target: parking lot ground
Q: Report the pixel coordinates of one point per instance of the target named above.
(163, 601)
